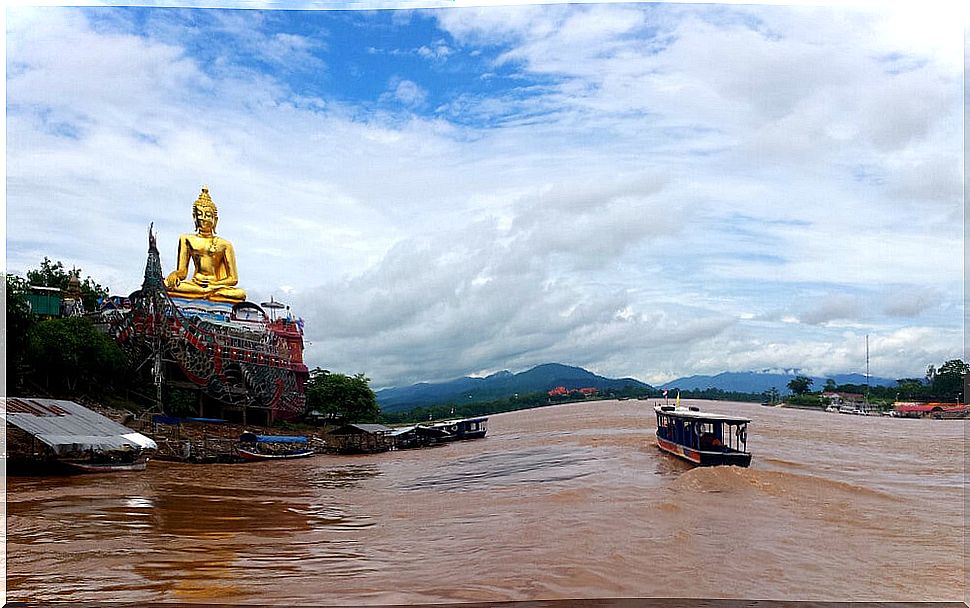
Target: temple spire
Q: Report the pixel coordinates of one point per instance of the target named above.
(153, 268)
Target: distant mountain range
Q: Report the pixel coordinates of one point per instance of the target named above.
(497, 386)
(550, 375)
(759, 382)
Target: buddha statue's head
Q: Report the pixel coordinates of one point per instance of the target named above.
(205, 213)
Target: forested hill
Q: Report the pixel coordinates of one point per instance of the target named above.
(759, 382)
(499, 385)
(548, 376)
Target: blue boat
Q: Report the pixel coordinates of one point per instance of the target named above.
(273, 447)
(703, 439)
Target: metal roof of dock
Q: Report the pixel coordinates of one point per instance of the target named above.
(66, 426)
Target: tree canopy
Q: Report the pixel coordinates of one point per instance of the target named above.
(69, 356)
(18, 322)
(946, 382)
(800, 385)
(53, 274)
(341, 398)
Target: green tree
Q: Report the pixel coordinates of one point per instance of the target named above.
(70, 356)
(800, 385)
(830, 385)
(771, 396)
(911, 389)
(179, 401)
(53, 274)
(342, 398)
(18, 322)
(947, 381)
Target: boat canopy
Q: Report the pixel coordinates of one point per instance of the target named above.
(705, 416)
(454, 421)
(254, 438)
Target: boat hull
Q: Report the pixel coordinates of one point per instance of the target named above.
(704, 458)
(474, 435)
(106, 467)
(251, 456)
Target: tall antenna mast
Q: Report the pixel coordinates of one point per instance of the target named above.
(867, 368)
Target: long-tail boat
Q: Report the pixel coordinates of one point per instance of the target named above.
(703, 439)
(273, 447)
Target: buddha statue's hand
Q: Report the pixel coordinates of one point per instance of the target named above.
(206, 282)
(173, 279)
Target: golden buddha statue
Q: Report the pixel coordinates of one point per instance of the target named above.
(214, 259)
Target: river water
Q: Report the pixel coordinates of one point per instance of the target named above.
(565, 502)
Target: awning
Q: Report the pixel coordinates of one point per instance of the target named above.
(254, 438)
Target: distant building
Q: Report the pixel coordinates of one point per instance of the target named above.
(562, 391)
(361, 438)
(839, 398)
(44, 301)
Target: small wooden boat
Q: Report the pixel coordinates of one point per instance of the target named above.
(703, 439)
(273, 447)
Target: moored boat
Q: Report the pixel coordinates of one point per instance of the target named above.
(701, 438)
(466, 428)
(273, 447)
(93, 466)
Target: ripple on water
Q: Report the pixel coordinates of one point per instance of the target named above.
(342, 477)
(536, 465)
(331, 517)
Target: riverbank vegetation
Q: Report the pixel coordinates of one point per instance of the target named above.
(64, 357)
(335, 397)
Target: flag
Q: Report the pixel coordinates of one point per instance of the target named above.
(678, 398)
(665, 392)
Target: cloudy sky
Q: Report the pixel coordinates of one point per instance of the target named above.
(646, 190)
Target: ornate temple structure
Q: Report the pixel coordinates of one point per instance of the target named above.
(199, 332)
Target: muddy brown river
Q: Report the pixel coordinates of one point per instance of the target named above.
(565, 502)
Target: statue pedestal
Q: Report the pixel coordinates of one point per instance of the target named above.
(191, 307)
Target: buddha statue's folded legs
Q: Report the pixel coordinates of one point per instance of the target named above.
(191, 289)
